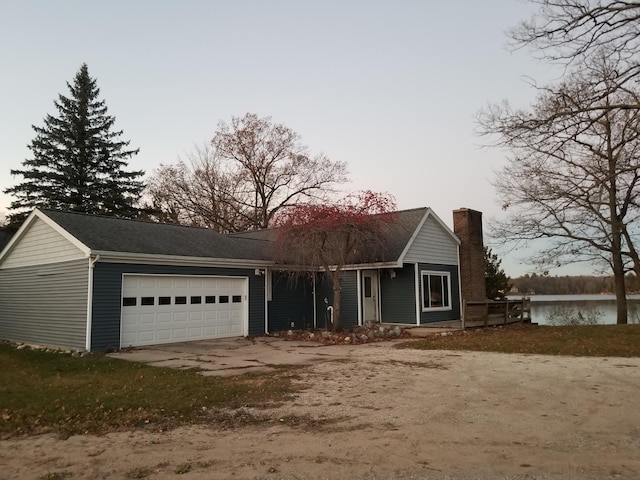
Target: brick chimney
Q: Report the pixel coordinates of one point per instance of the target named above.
(467, 225)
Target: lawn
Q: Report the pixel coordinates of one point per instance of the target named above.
(47, 391)
(585, 340)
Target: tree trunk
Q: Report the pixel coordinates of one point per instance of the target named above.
(617, 262)
(621, 291)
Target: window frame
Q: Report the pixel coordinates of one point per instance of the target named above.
(425, 301)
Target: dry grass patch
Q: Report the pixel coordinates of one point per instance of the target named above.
(57, 392)
(584, 340)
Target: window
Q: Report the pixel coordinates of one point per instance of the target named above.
(195, 300)
(236, 299)
(129, 302)
(147, 301)
(181, 300)
(436, 291)
(224, 298)
(210, 299)
(164, 300)
(367, 287)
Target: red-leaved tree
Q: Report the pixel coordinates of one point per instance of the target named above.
(332, 236)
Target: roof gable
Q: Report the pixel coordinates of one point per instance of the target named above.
(431, 242)
(40, 241)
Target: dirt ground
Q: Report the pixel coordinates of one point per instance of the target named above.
(389, 414)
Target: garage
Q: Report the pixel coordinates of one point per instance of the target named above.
(175, 308)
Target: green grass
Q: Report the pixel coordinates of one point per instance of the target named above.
(47, 391)
(585, 340)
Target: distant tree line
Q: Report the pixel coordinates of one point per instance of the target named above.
(570, 285)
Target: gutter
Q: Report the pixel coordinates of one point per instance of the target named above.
(157, 259)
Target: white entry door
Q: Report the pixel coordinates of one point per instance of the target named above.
(173, 308)
(370, 295)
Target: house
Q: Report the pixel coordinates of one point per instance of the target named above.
(97, 283)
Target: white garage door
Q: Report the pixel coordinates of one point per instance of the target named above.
(167, 308)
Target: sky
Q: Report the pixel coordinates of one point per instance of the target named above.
(390, 87)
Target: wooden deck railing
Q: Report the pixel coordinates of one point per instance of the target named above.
(495, 312)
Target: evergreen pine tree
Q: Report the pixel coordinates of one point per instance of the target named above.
(496, 281)
(78, 161)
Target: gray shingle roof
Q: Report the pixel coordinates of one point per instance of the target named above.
(397, 233)
(111, 234)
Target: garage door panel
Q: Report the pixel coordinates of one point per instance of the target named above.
(195, 332)
(235, 330)
(147, 318)
(180, 282)
(179, 308)
(163, 333)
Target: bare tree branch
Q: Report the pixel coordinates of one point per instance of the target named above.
(572, 174)
(252, 169)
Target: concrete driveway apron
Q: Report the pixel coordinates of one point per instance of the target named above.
(235, 356)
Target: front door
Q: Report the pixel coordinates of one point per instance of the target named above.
(370, 295)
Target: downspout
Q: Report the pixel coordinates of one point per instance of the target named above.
(92, 262)
(418, 303)
(460, 299)
(379, 299)
(359, 294)
(267, 286)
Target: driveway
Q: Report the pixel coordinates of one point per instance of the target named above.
(374, 412)
(233, 356)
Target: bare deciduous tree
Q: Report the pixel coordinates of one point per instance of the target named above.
(198, 192)
(573, 173)
(252, 169)
(572, 31)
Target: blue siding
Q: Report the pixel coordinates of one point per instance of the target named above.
(398, 295)
(107, 292)
(349, 298)
(445, 315)
(291, 305)
(324, 290)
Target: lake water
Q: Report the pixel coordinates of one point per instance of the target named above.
(601, 308)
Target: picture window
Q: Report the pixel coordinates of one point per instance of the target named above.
(436, 291)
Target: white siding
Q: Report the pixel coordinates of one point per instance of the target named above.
(41, 244)
(433, 244)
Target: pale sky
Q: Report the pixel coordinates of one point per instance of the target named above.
(390, 87)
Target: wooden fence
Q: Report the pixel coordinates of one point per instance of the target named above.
(496, 312)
